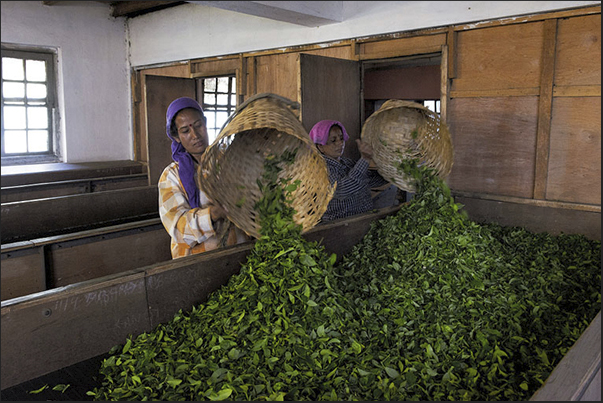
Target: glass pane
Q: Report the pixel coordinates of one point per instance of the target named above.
(221, 118)
(13, 90)
(37, 118)
(15, 142)
(211, 120)
(209, 99)
(233, 100)
(36, 91)
(430, 105)
(38, 140)
(212, 135)
(222, 99)
(234, 84)
(36, 70)
(209, 84)
(14, 117)
(12, 69)
(223, 84)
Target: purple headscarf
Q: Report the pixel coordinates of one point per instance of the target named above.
(320, 132)
(186, 162)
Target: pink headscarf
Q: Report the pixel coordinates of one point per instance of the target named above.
(320, 132)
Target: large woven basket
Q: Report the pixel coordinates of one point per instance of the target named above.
(403, 130)
(264, 125)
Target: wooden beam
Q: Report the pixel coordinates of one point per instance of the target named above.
(134, 8)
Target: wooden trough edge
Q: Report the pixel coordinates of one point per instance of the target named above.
(50, 330)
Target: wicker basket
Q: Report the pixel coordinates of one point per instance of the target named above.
(402, 130)
(231, 166)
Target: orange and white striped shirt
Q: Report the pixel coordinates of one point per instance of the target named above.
(191, 229)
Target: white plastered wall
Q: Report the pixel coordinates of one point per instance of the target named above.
(93, 73)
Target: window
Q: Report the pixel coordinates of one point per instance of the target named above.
(28, 104)
(219, 97)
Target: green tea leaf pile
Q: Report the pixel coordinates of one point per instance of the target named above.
(428, 306)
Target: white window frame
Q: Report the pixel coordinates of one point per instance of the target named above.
(50, 56)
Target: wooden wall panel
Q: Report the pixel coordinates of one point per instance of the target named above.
(215, 67)
(126, 253)
(578, 60)
(575, 158)
(499, 58)
(22, 273)
(401, 46)
(276, 74)
(494, 143)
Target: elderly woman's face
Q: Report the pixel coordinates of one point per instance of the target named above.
(192, 131)
(335, 143)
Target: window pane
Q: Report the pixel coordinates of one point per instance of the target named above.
(211, 119)
(38, 140)
(209, 99)
(37, 118)
(209, 84)
(36, 70)
(14, 117)
(12, 69)
(223, 84)
(15, 142)
(233, 100)
(13, 90)
(36, 91)
(234, 85)
(221, 118)
(223, 99)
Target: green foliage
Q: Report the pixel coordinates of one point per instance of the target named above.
(428, 306)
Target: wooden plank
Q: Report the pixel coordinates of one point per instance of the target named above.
(58, 215)
(575, 151)
(579, 368)
(545, 103)
(510, 92)
(578, 57)
(44, 332)
(41, 173)
(500, 58)
(533, 217)
(71, 187)
(402, 46)
(80, 260)
(81, 256)
(215, 66)
(22, 272)
(578, 91)
(494, 143)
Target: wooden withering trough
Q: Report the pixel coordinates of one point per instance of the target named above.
(47, 332)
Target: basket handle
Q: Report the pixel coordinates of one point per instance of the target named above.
(291, 105)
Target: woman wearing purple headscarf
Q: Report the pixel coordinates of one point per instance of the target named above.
(193, 221)
(354, 179)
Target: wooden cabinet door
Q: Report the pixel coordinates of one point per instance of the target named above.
(160, 91)
(330, 89)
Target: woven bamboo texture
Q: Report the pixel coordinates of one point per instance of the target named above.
(264, 125)
(403, 130)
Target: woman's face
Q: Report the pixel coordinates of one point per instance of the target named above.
(335, 143)
(192, 131)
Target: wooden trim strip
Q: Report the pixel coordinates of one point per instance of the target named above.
(512, 92)
(577, 91)
(545, 106)
(532, 202)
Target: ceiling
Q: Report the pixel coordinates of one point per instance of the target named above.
(306, 13)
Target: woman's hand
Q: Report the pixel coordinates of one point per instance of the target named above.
(366, 151)
(217, 212)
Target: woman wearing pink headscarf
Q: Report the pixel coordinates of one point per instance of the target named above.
(193, 221)
(354, 179)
